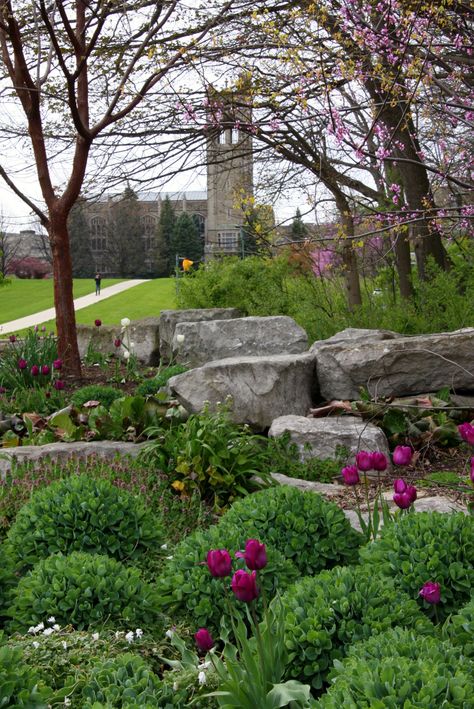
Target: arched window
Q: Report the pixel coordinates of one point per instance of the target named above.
(98, 234)
(200, 222)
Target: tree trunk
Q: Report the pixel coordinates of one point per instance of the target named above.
(403, 260)
(63, 294)
(351, 269)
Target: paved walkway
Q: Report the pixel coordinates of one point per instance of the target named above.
(83, 302)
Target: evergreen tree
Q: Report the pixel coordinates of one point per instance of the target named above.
(164, 235)
(186, 241)
(125, 243)
(298, 227)
(80, 240)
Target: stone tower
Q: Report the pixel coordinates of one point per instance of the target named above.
(229, 175)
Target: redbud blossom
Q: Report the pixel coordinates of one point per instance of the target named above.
(402, 455)
(219, 562)
(364, 460)
(204, 640)
(255, 554)
(466, 431)
(350, 475)
(431, 592)
(244, 586)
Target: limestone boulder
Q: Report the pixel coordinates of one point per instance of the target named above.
(196, 343)
(144, 335)
(355, 334)
(396, 367)
(170, 318)
(320, 438)
(261, 388)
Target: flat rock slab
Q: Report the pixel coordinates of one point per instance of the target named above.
(331, 490)
(320, 438)
(170, 318)
(355, 334)
(426, 504)
(261, 388)
(403, 366)
(144, 334)
(196, 343)
(62, 452)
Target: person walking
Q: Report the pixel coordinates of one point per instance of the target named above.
(97, 279)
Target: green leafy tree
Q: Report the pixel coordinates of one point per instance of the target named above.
(164, 236)
(80, 238)
(125, 243)
(186, 240)
(298, 228)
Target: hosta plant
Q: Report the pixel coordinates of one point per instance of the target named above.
(20, 685)
(459, 628)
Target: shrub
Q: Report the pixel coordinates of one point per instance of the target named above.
(82, 514)
(187, 589)
(399, 668)
(460, 629)
(151, 386)
(312, 532)
(82, 590)
(105, 395)
(123, 681)
(19, 683)
(326, 614)
(428, 546)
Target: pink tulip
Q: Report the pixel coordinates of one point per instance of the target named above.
(45, 369)
(57, 364)
(59, 384)
(35, 370)
(204, 640)
(244, 586)
(466, 431)
(364, 460)
(431, 592)
(402, 500)
(379, 461)
(97, 322)
(12, 338)
(402, 455)
(255, 554)
(22, 363)
(399, 485)
(472, 470)
(117, 342)
(350, 475)
(219, 562)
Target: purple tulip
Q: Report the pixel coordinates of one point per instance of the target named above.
(219, 563)
(411, 492)
(57, 364)
(12, 338)
(97, 322)
(379, 461)
(402, 500)
(36, 328)
(350, 475)
(255, 555)
(472, 470)
(431, 592)
(364, 460)
(22, 363)
(402, 455)
(117, 342)
(59, 384)
(43, 329)
(244, 586)
(399, 485)
(466, 431)
(45, 370)
(35, 370)
(204, 640)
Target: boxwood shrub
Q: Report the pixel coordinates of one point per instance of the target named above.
(82, 590)
(105, 395)
(460, 629)
(151, 386)
(399, 668)
(327, 613)
(428, 546)
(20, 685)
(82, 514)
(312, 532)
(186, 588)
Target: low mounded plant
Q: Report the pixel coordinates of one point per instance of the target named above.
(327, 613)
(105, 395)
(82, 590)
(151, 386)
(312, 532)
(186, 589)
(427, 546)
(399, 668)
(82, 514)
(20, 685)
(460, 629)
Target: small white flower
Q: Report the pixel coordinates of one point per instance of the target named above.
(52, 619)
(204, 665)
(126, 354)
(56, 627)
(35, 644)
(95, 636)
(125, 322)
(67, 702)
(39, 627)
(118, 634)
(48, 631)
(64, 644)
(180, 339)
(164, 546)
(132, 345)
(169, 557)
(32, 630)
(202, 678)
(139, 632)
(129, 637)
(169, 633)
(175, 686)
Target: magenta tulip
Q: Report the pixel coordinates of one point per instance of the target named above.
(411, 492)
(244, 586)
(97, 322)
(204, 640)
(379, 461)
(22, 364)
(45, 369)
(59, 384)
(472, 470)
(117, 342)
(402, 500)
(255, 555)
(399, 485)
(219, 562)
(350, 475)
(466, 431)
(431, 592)
(12, 338)
(57, 364)
(364, 460)
(402, 455)
(35, 370)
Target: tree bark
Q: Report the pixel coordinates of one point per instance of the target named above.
(403, 261)
(349, 257)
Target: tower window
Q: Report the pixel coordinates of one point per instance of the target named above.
(228, 240)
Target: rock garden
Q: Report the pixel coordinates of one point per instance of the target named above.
(220, 515)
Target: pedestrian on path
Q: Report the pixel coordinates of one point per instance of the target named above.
(97, 279)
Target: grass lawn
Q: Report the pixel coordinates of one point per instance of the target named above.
(24, 296)
(145, 300)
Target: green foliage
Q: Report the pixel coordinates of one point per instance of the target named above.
(284, 458)
(82, 590)
(312, 532)
(164, 235)
(459, 628)
(83, 514)
(399, 668)
(428, 546)
(186, 241)
(37, 349)
(211, 454)
(326, 614)
(19, 683)
(443, 478)
(96, 392)
(151, 386)
(187, 589)
(123, 681)
(41, 401)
